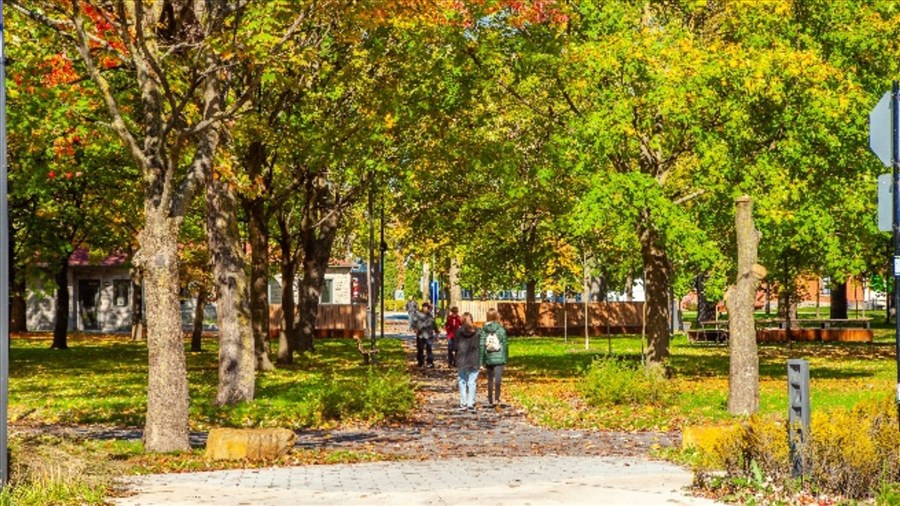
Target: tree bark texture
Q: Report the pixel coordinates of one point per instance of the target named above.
(743, 377)
(137, 305)
(531, 307)
(258, 218)
(657, 283)
(319, 226)
(237, 359)
(61, 317)
(166, 427)
(838, 308)
(18, 309)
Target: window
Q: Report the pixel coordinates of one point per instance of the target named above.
(826, 286)
(120, 292)
(327, 296)
(275, 292)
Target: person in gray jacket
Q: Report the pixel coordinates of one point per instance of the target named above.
(467, 361)
(426, 330)
(494, 351)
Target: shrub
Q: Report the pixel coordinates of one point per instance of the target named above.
(611, 382)
(852, 453)
(385, 395)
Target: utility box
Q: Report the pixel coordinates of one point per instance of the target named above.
(798, 413)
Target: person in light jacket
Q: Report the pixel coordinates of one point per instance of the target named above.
(467, 361)
(493, 353)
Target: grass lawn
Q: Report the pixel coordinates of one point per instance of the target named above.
(102, 379)
(544, 375)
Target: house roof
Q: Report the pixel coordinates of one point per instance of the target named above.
(81, 258)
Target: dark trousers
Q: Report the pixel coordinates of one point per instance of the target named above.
(494, 374)
(451, 352)
(424, 353)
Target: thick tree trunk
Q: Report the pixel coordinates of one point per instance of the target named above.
(61, 317)
(318, 234)
(706, 310)
(237, 361)
(197, 329)
(656, 289)
(838, 300)
(455, 287)
(259, 260)
(166, 427)
(743, 377)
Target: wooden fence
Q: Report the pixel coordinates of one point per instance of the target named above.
(332, 320)
(552, 318)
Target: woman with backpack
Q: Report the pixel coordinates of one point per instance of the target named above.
(494, 350)
(467, 360)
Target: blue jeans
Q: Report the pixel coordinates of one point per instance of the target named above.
(467, 387)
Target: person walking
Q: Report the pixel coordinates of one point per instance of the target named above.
(493, 353)
(467, 361)
(453, 323)
(426, 329)
(411, 309)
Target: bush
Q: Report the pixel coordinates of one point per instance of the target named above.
(612, 382)
(385, 395)
(851, 453)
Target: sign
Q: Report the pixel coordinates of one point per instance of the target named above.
(880, 130)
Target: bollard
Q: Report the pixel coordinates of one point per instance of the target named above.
(798, 414)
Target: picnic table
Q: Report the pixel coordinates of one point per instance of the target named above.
(709, 331)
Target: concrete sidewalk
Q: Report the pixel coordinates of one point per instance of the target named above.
(495, 481)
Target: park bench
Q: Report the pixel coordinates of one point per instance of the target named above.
(712, 331)
(815, 329)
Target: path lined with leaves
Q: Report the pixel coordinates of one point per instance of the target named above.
(439, 430)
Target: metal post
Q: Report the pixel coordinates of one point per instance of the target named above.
(895, 166)
(4, 268)
(371, 266)
(798, 414)
(381, 270)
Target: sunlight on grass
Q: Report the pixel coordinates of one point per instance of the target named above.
(544, 376)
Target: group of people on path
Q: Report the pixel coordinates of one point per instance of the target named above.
(469, 349)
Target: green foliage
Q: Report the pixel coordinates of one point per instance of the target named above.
(385, 395)
(613, 382)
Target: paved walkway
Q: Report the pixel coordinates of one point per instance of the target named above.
(492, 456)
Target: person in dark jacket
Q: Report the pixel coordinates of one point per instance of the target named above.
(467, 361)
(426, 330)
(493, 352)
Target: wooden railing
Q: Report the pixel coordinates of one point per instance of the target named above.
(332, 320)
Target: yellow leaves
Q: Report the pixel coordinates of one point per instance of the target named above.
(389, 121)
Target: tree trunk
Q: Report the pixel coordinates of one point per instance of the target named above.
(166, 426)
(706, 310)
(656, 290)
(318, 234)
(286, 337)
(743, 377)
(531, 307)
(237, 359)
(18, 313)
(137, 305)
(197, 331)
(455, 287)
(259, 260)
(838, 300)
(61, 318)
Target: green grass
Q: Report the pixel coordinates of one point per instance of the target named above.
(103, 380)
(545, 375)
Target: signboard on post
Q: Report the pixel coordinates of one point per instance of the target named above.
(884, 140)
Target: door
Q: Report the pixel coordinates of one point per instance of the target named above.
(89, 303)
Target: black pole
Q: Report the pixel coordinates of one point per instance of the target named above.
(4, 269)
(895, 165)
(381, 269)
(371, 266)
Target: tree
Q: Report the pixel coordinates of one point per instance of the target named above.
(743, 377)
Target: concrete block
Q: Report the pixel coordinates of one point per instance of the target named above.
(250, 444)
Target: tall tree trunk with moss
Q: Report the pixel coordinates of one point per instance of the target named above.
(287, 334)
(258, 232)
(199, 313)
(743, 376)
